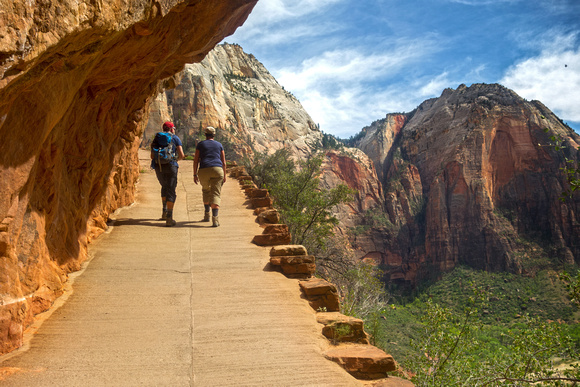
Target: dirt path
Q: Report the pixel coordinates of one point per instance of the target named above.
(190, 305)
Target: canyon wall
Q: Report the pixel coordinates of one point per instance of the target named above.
(76, 78)
(471, 179)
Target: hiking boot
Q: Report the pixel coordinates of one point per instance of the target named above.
(164, 215)
(169, 222)
(215, 221)
(205, 217)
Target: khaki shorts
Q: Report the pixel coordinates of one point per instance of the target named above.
(211, 180)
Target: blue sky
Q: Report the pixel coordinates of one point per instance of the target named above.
(350, 62)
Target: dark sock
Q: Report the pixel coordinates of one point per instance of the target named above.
(206, 206)
(170, 214)
(214, 211)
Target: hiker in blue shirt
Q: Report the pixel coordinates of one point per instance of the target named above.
(166, 171)
(209, 163)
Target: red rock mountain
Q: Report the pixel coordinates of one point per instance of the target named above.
(76, 78)
(470, 179)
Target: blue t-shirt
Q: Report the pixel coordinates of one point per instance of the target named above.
(209, 153)
(176, 141)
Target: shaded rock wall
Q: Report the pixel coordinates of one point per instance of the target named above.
(76, 78)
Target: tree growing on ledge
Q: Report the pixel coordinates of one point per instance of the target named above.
(303, 206)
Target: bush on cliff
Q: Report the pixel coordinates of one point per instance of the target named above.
(306, 209)
(303, 206)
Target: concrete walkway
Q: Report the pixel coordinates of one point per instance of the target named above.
(190, 305)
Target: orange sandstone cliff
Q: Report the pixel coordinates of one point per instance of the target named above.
(76, 78)
(470, 178)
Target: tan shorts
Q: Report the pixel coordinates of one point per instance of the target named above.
(211, 180)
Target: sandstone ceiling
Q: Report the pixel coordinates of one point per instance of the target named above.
(76, 78)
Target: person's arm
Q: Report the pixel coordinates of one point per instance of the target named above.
(223, 157)
(180, 154)
(195, 165)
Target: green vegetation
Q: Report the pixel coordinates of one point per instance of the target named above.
(329, 141)
(475, 328)
(302, 204)
(243, 85)
(469, 328)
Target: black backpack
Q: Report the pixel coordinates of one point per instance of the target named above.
(163, 149)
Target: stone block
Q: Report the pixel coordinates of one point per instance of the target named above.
(258, 193)
(288, 250)
(271, 239)
(363, 361)
(295, 266)
(341, 328)
(305, 270)
(235, 172)
(268, 216)
(261, 202)
(321, 295)
(276, 229)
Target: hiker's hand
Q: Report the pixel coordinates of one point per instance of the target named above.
(224, 178)
(195, 179)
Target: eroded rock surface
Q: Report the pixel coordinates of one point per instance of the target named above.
(76, 80)
(470, 178)
(232, 91)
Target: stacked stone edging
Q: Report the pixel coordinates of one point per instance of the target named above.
(293, 260)
(358, 357)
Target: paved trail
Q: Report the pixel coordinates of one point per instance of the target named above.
(190, 305)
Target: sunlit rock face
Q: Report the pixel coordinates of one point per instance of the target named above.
(355, 169)
(76, 78)
(233, 92)
(470, 180)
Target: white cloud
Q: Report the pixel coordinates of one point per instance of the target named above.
(552, 77)
(346, 89)
(275, 11)
(434, 86)
(272, 21)
(279, 36)
(348, 67)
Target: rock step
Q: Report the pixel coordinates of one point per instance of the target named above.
(362, 361)
(341, 328)
(321, 295)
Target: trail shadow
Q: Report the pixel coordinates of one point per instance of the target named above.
(155, 223)
(270, 267)
(135, 222)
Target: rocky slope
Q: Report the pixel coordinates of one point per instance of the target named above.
(76, 78)
(233, 92)
(470, 179)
